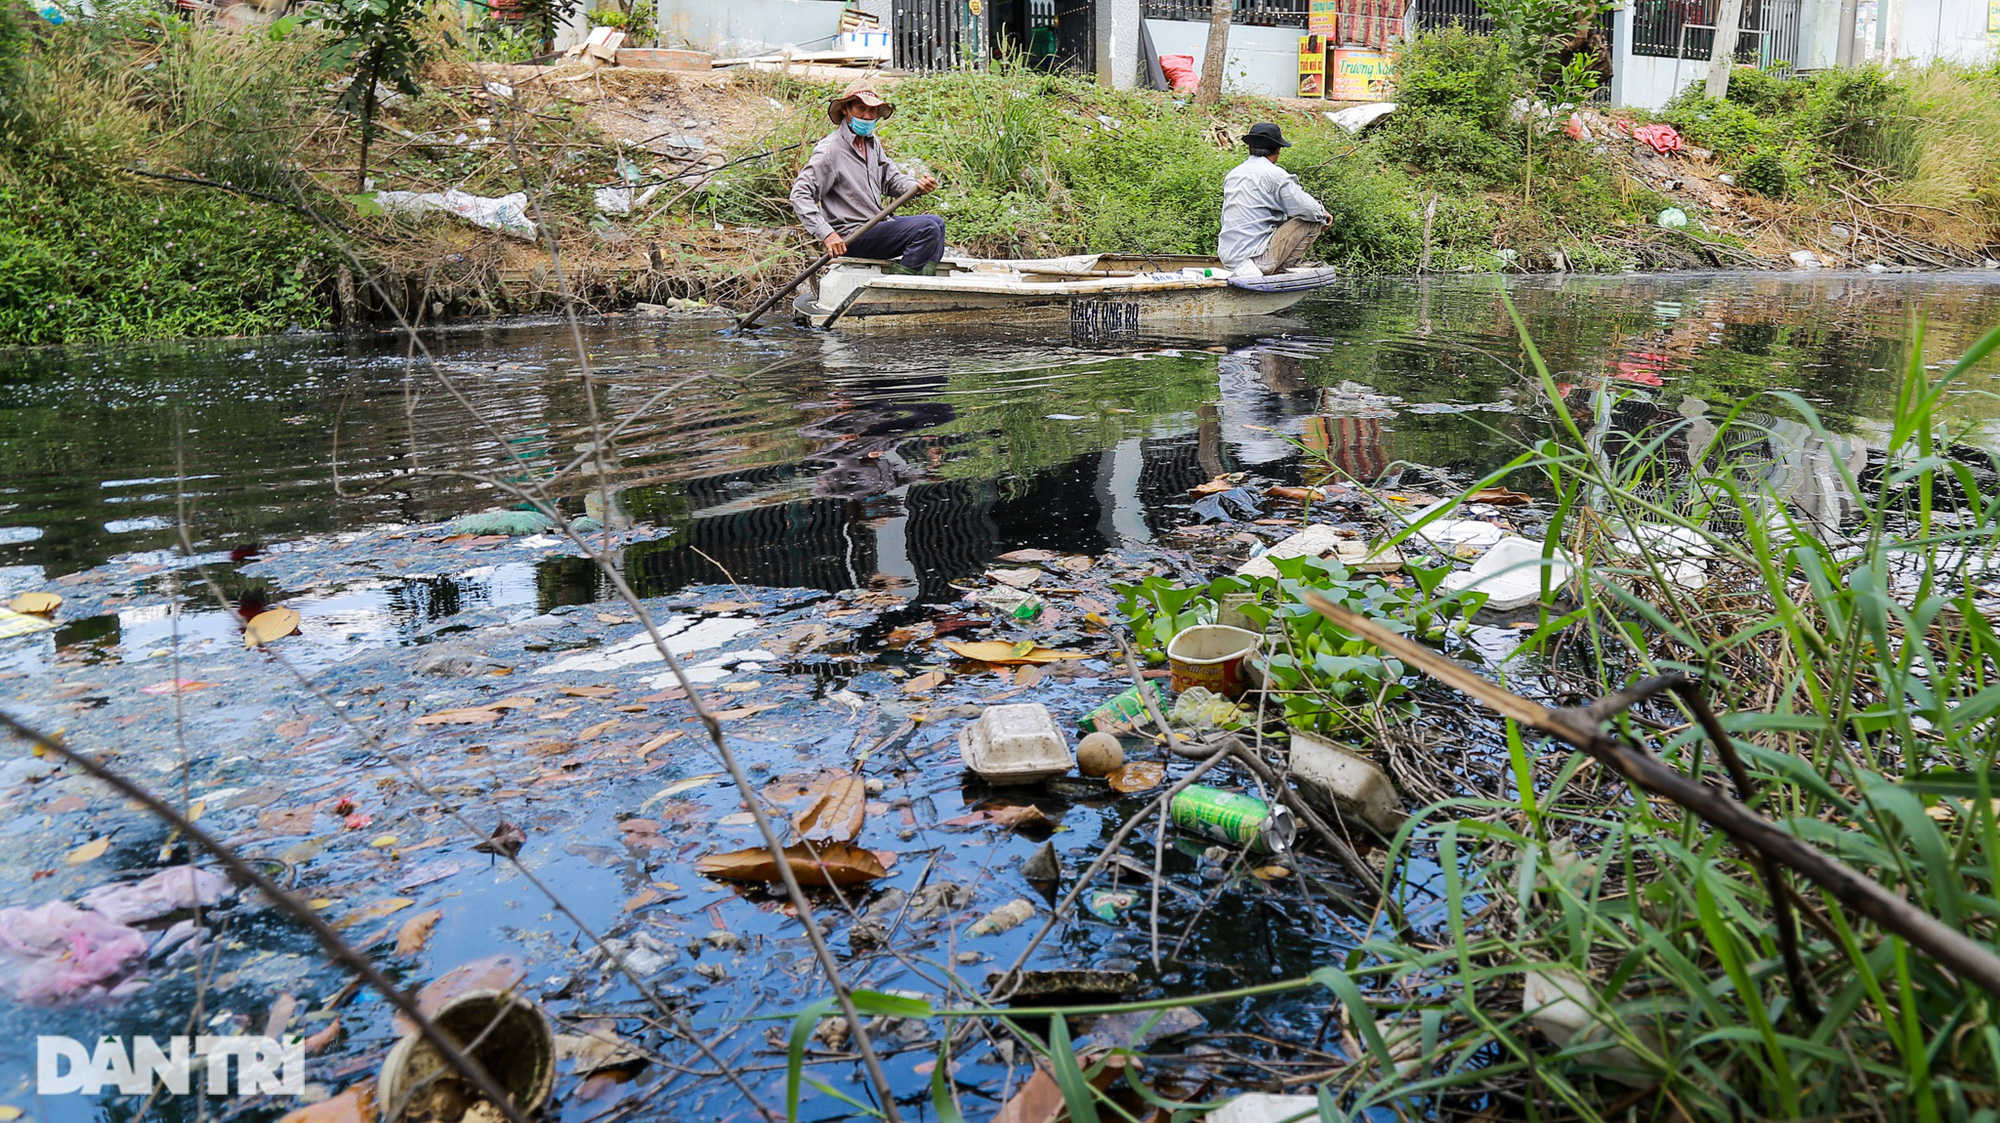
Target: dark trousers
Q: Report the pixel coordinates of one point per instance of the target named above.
(917, 239)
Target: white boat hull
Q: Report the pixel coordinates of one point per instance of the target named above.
(1099, 297)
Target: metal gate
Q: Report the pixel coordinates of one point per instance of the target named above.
(946, 34)
(933, 35)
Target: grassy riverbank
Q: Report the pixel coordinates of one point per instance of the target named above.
(1859, 167)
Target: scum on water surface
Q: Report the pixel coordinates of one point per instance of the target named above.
(808, 539)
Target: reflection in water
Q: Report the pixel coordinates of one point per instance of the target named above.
(905, 462)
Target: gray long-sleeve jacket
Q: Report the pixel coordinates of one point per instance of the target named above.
(1257, 197)
(840, 188)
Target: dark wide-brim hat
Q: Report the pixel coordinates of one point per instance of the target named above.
(1264, 134)
(861, 90)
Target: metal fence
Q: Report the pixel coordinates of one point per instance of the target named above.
(931, 35)
(1261, 13)
(1767, 36)
(1433, 14)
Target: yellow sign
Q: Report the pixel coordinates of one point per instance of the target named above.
(1323, 16)
(1312, 66)
(1361, 75)
(1993, 17)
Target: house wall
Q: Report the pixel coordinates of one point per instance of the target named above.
(1262, 60)
(1944, 29)
(749, 27)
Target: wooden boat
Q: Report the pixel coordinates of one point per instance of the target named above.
(1101, 295)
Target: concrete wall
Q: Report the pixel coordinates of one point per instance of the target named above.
(1942, 29)
(749, 27)
(1262, 60)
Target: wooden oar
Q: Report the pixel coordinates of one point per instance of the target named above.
(750, 317)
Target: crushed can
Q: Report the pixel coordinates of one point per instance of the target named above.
(1234, 818)
(1124, 710)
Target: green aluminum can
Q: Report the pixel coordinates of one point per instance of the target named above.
(1234, 818)
(1125, 709)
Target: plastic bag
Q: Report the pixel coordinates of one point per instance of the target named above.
(1180, 73)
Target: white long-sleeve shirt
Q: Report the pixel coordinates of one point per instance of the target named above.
(1257, 197)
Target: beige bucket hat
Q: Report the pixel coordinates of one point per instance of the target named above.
(863, 91)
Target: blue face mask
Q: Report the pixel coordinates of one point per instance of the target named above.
(860, 127)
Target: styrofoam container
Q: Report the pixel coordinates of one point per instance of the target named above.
(1262, 1107)
(1350, 783)
(1015, 744)
(1565, 1007)
(1510, 574)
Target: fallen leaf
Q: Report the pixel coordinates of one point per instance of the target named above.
(743, 711)
(35, 604)
(293, 729)
(1027, 815)
(587, 691)
(1040, 1100)
(416, 932)
(1216, 486)
(996, 651)
(837, 812)
(725, 606)
(1028, 675)
(89, 851)
(506, 840)
(835, 864)
(643, 898)
(1499, 497)
(1270, 873)
(495, 972)
(280, 1016)
(1016, 578)
(287, 820)
(739, 819)
(379, 909)
(467, 715)
(599, 729)
(323, 1038)
(1138, 776)
(924, 683)
(667, 738)
(740, 687)
(355, 1105)
(677, 787)
(176, 686)
(1019, 557)
(269, 626)
(1301, 494)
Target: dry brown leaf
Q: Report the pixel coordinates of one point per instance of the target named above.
(1138, 776)
(494, 972)
(1016, 578)
(464, 715)
(836, 813)
(643, 898)
(1008, 654)
(1040, 1100)
(416, 932)
(835, 864)
(35, 604)
(287, 820)
(516, 702)
(599, 729)
(1020, 557)
(1216, 486)
(1028, 675)
(294, 729)
(1302, 494)
(725, 606)
(667, 738)
(924, 683)
(1270, 873)
(89, 851)
(355, 1105)
(270, 625)
(744, 711)
(378, 909)
(506, 840)
(587, 691)
(1499, 497)
(323, 1038)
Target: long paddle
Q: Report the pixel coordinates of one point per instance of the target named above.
(750, 317)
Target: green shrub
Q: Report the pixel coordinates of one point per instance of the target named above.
(1438, 140)
(1863, 117)
(1765, 173)
(1454, 71)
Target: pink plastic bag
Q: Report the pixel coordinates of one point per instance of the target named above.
(1180, 72)
(59, 952)
(1663, 138)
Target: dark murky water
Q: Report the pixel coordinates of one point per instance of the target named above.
(894, 463)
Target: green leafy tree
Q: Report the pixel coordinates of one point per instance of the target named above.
(378, 42)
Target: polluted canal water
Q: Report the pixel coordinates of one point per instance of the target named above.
(857, 545)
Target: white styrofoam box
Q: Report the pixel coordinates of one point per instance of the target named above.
(1353, 784)
(1016, 744)
(1510, 574)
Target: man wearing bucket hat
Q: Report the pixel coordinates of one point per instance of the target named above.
(848, 179)
(1268, 220)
